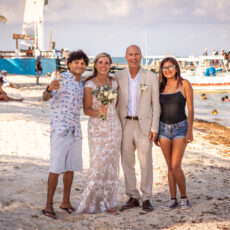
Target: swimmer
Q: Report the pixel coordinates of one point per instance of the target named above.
(222, 99)
(203, 96)
(214, 111)
(226, 98)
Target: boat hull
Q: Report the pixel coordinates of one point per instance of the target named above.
(26, 66)
(218, 83)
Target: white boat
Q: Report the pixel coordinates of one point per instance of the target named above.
(210, 75)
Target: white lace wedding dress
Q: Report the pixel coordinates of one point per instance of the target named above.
(100, 192)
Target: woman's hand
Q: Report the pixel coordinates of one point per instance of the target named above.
(189, 137)
(103, 109)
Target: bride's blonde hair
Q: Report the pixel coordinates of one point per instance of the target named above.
(96, 60)
(103, 54)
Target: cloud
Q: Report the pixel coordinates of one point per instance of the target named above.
(129, 12)
(118, 8)
(199, 12)
(12, 10)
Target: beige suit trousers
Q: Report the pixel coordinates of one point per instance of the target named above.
(133, 139)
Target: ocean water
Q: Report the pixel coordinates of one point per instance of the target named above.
(119, 60)
(203, 108)
(122, 60)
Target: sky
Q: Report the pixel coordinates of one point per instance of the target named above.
(159, 27)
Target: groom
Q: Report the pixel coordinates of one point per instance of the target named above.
(139, 110)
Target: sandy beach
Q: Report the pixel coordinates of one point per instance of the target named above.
(24, 165)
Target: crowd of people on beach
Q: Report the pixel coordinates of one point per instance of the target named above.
(146, 109)
(127, 114)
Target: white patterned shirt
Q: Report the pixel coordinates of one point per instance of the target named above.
(65, 106)
(132, 96)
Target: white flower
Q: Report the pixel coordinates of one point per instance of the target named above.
(106, 93)
(112, 96)
(143, 87)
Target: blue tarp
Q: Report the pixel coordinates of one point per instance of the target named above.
(212, 71)
(26, 65)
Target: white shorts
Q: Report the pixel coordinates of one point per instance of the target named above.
(65, 154)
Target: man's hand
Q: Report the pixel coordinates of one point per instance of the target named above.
(156, 142)
(152, 136)
(54, 85)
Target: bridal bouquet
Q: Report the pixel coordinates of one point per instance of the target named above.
(105, 95)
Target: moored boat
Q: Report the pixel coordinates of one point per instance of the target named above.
(210, 75)
(205, 73)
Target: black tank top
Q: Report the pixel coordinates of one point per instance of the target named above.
(172, 107)
(39, 66)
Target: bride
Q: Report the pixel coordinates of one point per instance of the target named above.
(104, 136)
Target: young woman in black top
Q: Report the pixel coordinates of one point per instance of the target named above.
(175, 129)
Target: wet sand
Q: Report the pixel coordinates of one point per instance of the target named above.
(24, 165)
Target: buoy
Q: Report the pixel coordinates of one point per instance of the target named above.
(203, 96)
(214, 111)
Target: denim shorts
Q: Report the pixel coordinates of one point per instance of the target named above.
(173, 131)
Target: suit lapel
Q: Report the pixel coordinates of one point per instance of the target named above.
(126, 85)
(141, 81)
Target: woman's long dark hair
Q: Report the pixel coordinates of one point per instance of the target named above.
(95, 62)
(163, 79)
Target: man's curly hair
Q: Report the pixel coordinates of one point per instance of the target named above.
(77, 55)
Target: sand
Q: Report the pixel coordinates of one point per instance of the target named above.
(24, 165)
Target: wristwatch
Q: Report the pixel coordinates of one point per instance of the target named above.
(47, 89)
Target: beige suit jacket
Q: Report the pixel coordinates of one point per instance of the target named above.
(148, 107)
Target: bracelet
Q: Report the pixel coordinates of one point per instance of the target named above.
(47, 89)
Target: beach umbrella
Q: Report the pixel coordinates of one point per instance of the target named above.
(3, 19)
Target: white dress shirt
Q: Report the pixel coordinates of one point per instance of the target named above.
(132, 95)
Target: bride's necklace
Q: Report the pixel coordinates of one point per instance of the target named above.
(106, 82)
